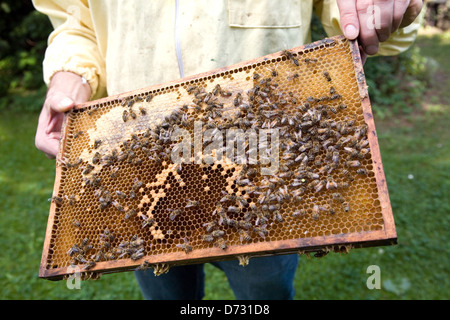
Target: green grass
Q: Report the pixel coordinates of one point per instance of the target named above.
(416, 157)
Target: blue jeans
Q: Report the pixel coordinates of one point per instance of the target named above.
(264, 278)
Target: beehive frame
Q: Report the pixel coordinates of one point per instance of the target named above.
(106, 206)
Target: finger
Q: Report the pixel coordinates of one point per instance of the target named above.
(349, 18)
(367, 34)
(51, 148)
(54, 123)
(414, 8)
(382, 17)
(47, 143)
(363, 55)
(400, 7)
(47, 140)
(59, 102)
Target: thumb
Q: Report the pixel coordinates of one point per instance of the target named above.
(349, 18)
(59, 102)
(64, 105)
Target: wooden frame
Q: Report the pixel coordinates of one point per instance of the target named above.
(340, 242)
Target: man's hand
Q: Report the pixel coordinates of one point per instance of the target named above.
(66, 90)
(373, 21)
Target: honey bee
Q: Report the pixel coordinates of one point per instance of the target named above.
(261, 231)
(327, 76)
(107, 235)
(76, 223)
(225, 93)
(238, 99)
(353, 163)
(85, 242)
(233, 209)
(185, 246)
(333, 109)
(335, 96)
(244, 236)
(88, 169)
(362, 171)
(130, 213)
(192, 204)
(210, 226)
(80, 258)
(311, 99)
(89, 265)
(332, 90)
(121, 194)
(363, 152)
(320, 254)
(331, 184)
(309, 60)
(144, 266)
(174, 213)
(137, 255)
(79, 133)
(191, 89)
(125, 115)
(148, 222)
(362, 144)
(343, 185)
(290, 56)
(149, 98)
(97, 143)
(338, 197)
(347, 174)
(218, 233)
(72, 199)
(118, 206)
(299, 213)
(315, 212)
(277, 217)
(346, 206)
(319, 185)
(56, 199)
(73, 250)
(142, 111)
(242, 182)
(352, 152)
(208, 238)
(221, 243)
(97, 157)
(217, 89)
(104, 201)
(137, 185)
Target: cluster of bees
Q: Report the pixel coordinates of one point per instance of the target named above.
(86, 254)
(313, 145)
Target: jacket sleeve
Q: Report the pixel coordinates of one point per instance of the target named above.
(398, 42)
(72, 46)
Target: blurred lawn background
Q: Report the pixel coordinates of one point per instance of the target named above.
(410, 96)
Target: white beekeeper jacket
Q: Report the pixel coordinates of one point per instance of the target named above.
(123, 45)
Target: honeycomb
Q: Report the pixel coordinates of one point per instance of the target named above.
(270, 156)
